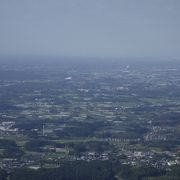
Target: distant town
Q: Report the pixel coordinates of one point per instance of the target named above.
(67, 111)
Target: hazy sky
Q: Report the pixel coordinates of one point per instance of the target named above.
(117, 28)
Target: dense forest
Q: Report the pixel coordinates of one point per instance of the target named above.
(95, 170)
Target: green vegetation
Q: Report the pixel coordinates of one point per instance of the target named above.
(10, 149)
(97, 122)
